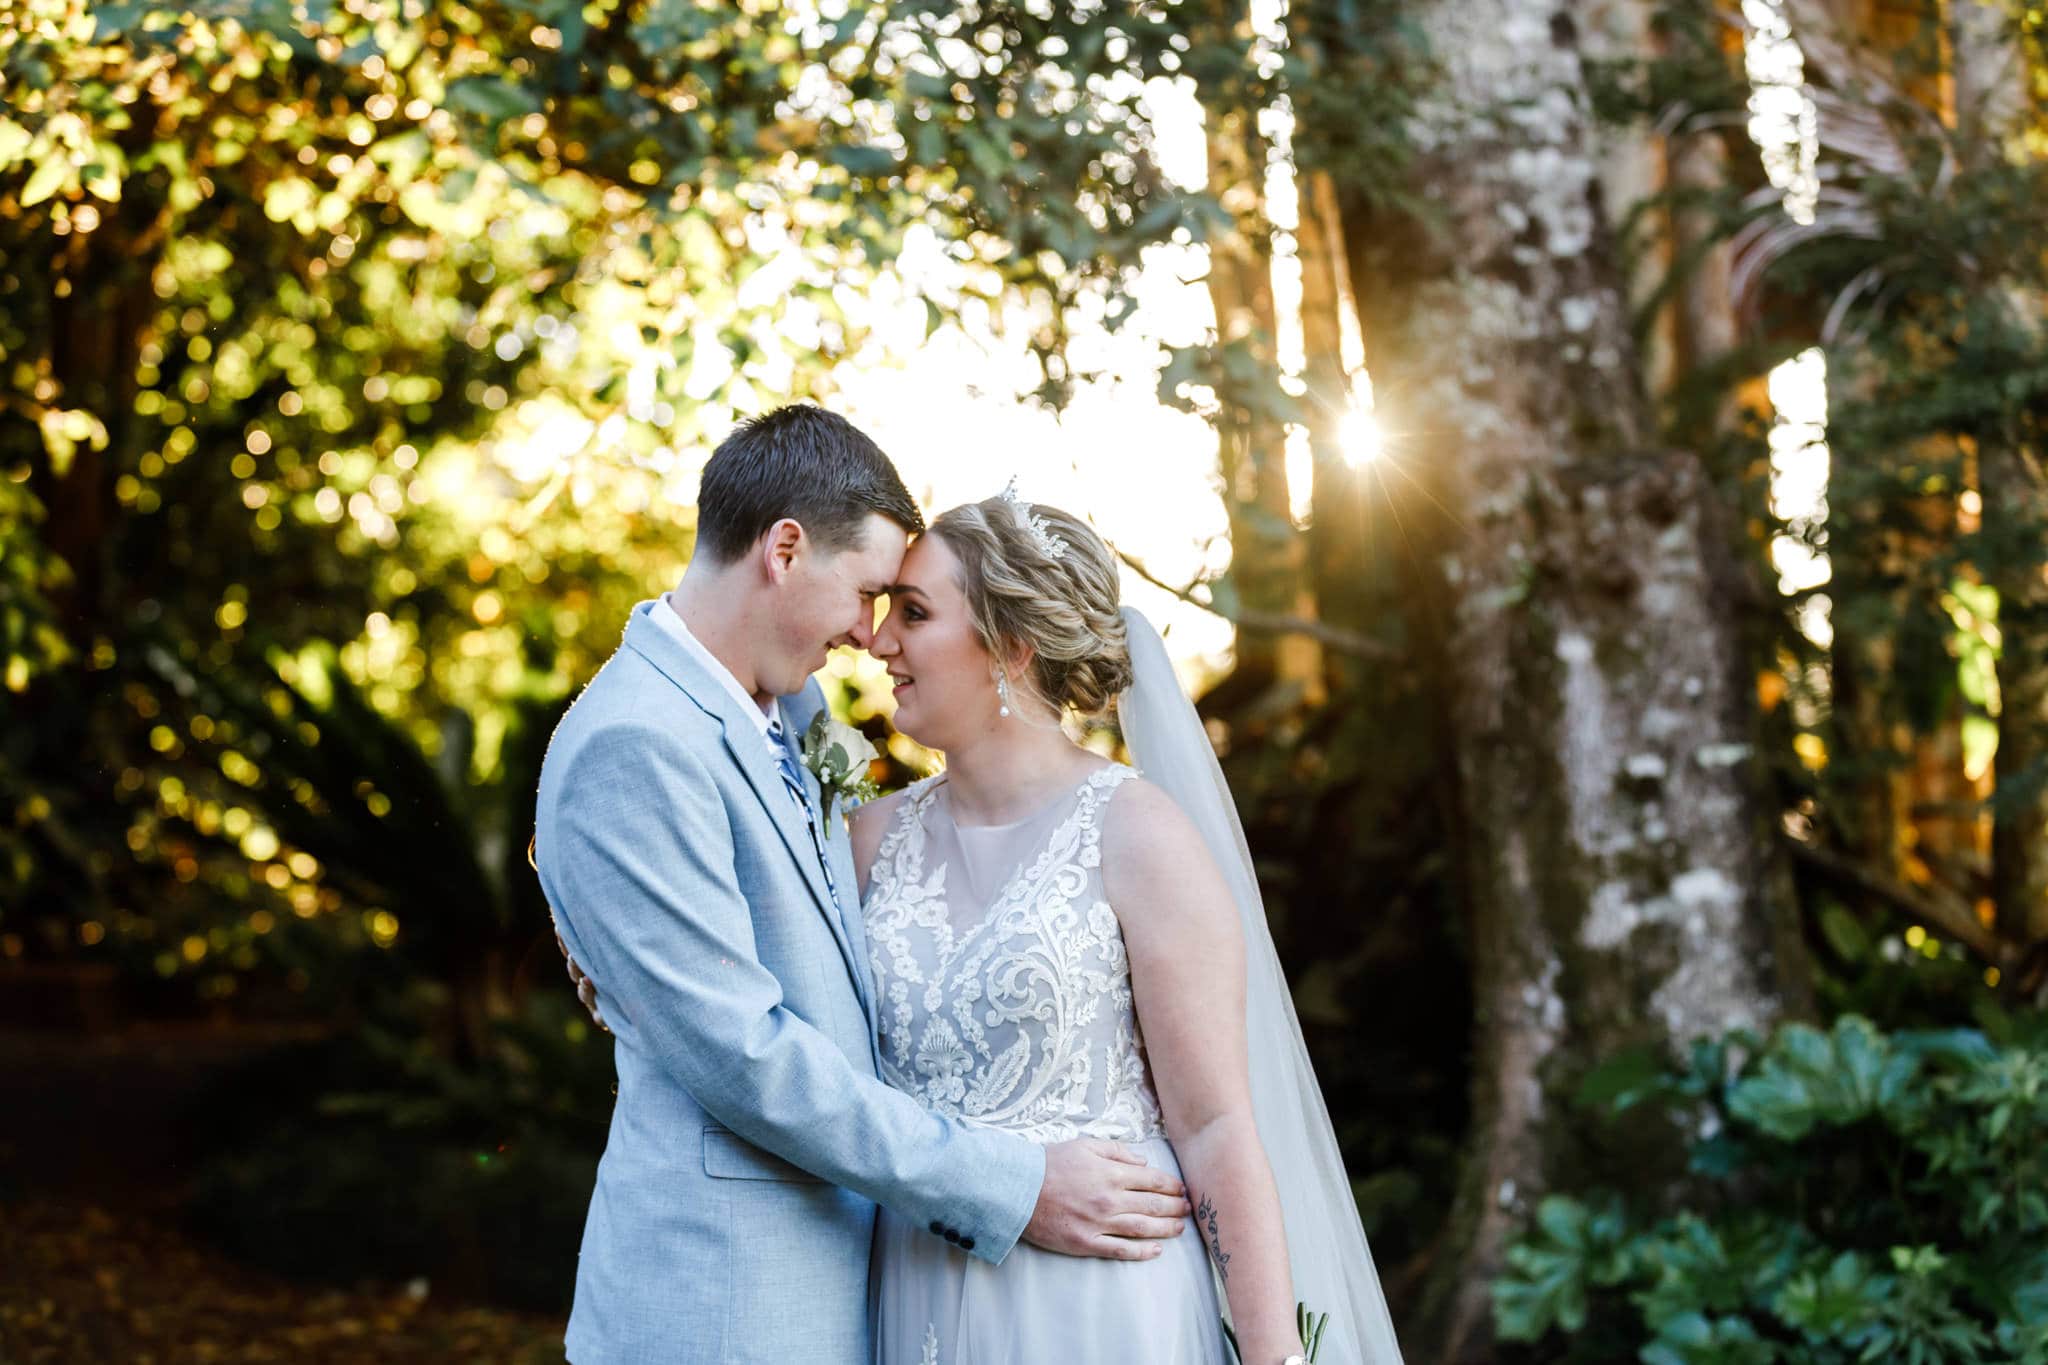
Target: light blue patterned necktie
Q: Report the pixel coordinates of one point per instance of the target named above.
(793, 780)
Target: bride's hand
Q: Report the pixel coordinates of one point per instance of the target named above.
(1101, 1199)
(586, 989)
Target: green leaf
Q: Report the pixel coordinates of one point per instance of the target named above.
(1845, 934)
(14, 142)
(459, 185)
(1809, 1079)
(864, 161)
(284, 200)
(493, 99)
(52, 174)
(1624, 1079)
(115, 21)
(1834, 1304)
(1224, 598)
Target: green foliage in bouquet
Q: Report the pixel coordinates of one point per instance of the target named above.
(1307, 1322)
(1854, 1196)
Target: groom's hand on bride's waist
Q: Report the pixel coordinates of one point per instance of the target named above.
(1100, 1199)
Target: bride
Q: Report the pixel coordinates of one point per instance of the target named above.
(1065, 948)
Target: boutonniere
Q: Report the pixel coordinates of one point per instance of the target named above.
(838, 756)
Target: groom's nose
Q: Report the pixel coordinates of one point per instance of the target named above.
(862, 636)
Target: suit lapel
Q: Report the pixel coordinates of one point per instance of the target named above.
(756, 763)
(837, 846)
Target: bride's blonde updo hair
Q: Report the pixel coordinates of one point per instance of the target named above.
(1064, 608)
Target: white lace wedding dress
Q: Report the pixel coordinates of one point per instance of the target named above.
(1006, 1001)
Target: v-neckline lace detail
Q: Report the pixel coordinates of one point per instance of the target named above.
(1020, 1016)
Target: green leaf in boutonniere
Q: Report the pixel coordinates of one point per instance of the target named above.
(838, 756)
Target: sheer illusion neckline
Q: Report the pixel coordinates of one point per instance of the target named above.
(1065, 795)
(997, 862)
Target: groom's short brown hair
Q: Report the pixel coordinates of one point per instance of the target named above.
(804, 463)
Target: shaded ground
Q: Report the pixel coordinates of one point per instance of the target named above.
(83, 1284)
(97, 1147)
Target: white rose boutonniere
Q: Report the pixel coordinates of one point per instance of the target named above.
(838, 756)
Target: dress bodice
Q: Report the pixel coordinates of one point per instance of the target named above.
(1005, 988)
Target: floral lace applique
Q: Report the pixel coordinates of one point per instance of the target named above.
(1020, 1018)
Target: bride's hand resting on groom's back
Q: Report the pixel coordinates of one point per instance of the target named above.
(586, 989)
(1099, 1198)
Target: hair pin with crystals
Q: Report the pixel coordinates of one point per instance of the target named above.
(1041, 529)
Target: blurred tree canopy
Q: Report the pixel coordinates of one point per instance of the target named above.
(406, 315)
(356, 361)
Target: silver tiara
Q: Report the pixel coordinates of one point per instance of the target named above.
(1041, 529)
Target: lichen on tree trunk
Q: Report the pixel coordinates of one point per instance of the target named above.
(1624, 881)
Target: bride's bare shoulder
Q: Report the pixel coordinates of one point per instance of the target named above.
(1156, 869)
(1146, 831)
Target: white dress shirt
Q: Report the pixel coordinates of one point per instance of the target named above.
(666, 617)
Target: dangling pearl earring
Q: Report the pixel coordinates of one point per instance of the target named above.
(1003, 692)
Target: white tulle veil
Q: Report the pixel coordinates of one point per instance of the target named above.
(1333, 1269)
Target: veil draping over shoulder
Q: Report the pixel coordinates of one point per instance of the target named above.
(1333, 1270)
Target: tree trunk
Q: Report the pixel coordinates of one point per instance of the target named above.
(1339, 568)
(1991, 95)
(1991, 105)
(1624, 881)
(99, 314)
(1268, 565)
(2015, 521)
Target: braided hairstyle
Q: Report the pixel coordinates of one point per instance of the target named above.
(1065, 609)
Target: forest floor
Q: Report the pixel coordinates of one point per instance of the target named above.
(96, 1267)
(88, 1286)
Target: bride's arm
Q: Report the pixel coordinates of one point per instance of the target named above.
(1188, 977)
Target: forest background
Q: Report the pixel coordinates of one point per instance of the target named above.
(1590, 459)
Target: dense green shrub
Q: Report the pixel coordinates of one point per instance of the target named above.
(373, 1157)
(1854, 1196)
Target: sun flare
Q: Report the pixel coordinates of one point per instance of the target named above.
(1361, 437)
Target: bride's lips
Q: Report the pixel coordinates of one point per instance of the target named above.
(899, 681)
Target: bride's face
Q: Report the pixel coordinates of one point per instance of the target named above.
(944, 677)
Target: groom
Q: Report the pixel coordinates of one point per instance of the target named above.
(678, 839)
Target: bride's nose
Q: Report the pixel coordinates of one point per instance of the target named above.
(882, 643)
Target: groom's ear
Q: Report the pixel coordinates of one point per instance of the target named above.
(780, 548)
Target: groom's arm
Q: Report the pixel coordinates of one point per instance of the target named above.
(636, 853)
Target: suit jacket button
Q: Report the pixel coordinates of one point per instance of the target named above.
(967, 1244)
(951, 1235)
(937, 1227)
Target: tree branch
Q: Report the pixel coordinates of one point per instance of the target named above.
(1945, 910)
(1271, 623)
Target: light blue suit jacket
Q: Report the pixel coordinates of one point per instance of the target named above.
(751, 1140)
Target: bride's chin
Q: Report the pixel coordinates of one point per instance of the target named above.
(914, 726)
(908, 726)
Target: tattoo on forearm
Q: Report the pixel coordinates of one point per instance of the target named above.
(1205, 1216)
